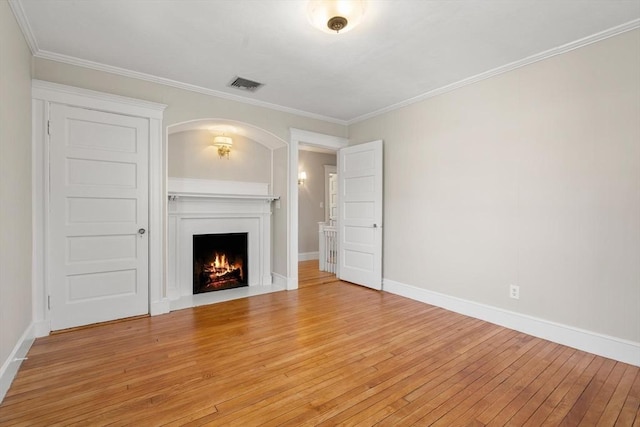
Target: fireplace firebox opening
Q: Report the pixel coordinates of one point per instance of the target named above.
(219, 262)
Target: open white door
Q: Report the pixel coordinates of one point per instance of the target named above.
(360, 214)
(98, 244)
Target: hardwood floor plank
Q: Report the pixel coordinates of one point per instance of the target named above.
(390, 384)
(389, 391)
(549, 405)
(370, 418)
(453, 375)
(630, 412)
(308, 416)
(615, 404)
(599, 399)
(489, 375)
(531, 396)
(373, 391)
(574, 393)
(501, 391)
(330, 353)
(584, 403)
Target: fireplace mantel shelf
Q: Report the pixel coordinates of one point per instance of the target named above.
(268, 197)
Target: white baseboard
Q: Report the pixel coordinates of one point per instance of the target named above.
(279, 280)
(603, 345)
(159, 307)
(308, 256)
(41, 328)
(12, 364)
(289, 283)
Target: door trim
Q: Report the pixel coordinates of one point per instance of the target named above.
(42, 95)
(297, 137)
(328, 170)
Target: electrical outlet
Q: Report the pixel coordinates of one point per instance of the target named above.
(514, 291)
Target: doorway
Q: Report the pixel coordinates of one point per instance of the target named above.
(305, 139)
(313, 197)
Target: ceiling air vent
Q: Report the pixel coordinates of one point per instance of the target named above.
(245, 84)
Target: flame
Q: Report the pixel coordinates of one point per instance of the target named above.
(221, 266)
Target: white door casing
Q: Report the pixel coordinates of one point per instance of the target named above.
(330, 192)
(98, 220)
(333, 197)
(360, 214)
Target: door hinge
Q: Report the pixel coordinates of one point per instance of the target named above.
(49, 301)
(48, 127)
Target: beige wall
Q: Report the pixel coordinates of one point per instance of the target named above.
(184, 105)
(280, 224)
(310, 195)
(532, 178)
(192, 155)
(15, 183)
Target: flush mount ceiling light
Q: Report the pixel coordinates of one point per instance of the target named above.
(335, 16)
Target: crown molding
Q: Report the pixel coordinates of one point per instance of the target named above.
(18, 11)
(23, 23)
(632, 25)
(50, 91)
(88, 93)
(43, 54)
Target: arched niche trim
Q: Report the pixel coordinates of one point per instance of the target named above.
(231, 127)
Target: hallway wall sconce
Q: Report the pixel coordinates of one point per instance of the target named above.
(302, 177)
(224, 144)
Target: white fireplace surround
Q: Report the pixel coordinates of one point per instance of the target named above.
(199, 207)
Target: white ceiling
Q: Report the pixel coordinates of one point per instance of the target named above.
(403, 49)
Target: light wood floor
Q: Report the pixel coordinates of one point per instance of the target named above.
(330, 353)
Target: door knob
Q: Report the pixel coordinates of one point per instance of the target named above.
(142, 231)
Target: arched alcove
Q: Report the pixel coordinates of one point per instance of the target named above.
(258, 159)
(192, 155)
(253, 158)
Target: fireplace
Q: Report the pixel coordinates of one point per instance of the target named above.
(220, 261)
(204, 207)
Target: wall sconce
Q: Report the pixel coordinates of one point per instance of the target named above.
(302, 177)
(224, 144)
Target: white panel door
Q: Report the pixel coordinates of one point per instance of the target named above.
(98, 244)
(360, 214)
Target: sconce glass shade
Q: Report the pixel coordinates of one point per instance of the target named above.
(302, 177)
(224, 144)
(335, 16)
